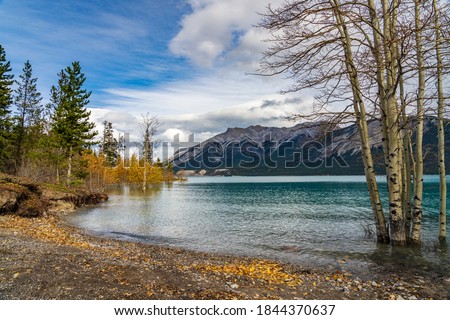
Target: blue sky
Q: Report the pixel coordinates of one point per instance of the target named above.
(186, 61)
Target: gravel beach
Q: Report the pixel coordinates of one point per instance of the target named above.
(44, 258)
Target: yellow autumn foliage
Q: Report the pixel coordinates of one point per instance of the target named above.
(256, 269)
(99, 175)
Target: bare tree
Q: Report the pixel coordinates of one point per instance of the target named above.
(149, 127)
(360, 113)
(311, 41)
(418, 177)
(369, 57)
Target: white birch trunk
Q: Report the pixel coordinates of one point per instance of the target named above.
(406, 169)
(441, 130)
(418, 178)
(360, 112)
(394, 172)
(377, 53)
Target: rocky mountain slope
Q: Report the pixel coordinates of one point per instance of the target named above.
(305, 149)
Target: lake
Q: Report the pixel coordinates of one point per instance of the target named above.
(312, 221)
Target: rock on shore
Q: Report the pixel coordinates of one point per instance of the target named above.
(25, 198)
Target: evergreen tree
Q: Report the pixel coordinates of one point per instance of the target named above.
(109, 145)
(6, 81)
(71, 119)
(28, 115)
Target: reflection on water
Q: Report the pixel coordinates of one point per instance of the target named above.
(305, 220)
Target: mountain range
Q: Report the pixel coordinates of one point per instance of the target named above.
(304, 149)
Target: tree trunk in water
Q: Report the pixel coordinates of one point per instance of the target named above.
(407, 182)
(394, 169)
(406, 169)
(381, 228)
(387, 71)
(394, 177)
(360, 112)
(441, 131)
(418, 179)
(442, 180)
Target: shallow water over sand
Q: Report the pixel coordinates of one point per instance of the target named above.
(313, 221)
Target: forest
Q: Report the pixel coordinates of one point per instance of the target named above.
(57, 142)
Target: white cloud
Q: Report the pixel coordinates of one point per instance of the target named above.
(123, 122)
(216, 28)
(223, 88)
(218, 35)
(268, 112)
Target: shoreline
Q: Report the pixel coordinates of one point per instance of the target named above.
(45, 258)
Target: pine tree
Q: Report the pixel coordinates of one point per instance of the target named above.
(71, 119)
(109, 145)
(6, 81)
(29, 113)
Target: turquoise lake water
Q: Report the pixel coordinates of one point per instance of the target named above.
(313, 221)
